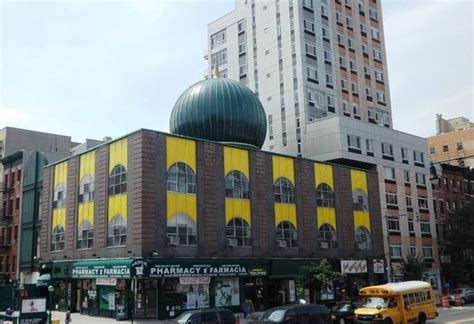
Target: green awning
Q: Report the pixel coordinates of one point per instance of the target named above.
(44, 280)
(107, 268)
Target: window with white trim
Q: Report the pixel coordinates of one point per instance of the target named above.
(406, 175)
(393, 224)
(420, 179)
(378, 75)
(411, 226)
(308, 4)
(395, 251)
(350, 43)
(387, 149)
(369, 145)
(374, 32)
(404, 151)
(408, 201)
(425, 227)
(310, 49)
(354, 87)
(218, 38)
(391, 198)
(413, 250)
(342, 61)
(353, 142)
(339, 17)
(352, 65)
(344, 84)
(427, 252)
(377, 54)
(422, 203)
(345, 107)
(389, 173)
(349, 21)
(373, 13)
(329, 79)
(340, 39)
(308, 26)
(381, 96)
(418, 157)
(312, 73)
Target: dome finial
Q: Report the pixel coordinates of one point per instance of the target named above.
(215, 73)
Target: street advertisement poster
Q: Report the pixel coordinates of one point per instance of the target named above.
(105, 297)
(33, 305)
(378, 266)
(227, 292)
(197, 295)
(353, 266)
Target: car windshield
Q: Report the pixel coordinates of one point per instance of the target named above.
(184, 317)
(456, 291)
(374, 302)
(342, 308)
(274, 315)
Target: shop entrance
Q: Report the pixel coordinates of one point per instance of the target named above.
(146, 301)
(254, 291)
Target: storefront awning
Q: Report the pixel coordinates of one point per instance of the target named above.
(44, 280)
(107, 268)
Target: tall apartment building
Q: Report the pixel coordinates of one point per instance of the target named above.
(306, 60)
(319, 68)
(454, 141)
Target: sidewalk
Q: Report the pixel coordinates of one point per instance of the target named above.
(78, 318)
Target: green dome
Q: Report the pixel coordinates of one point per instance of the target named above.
(220, 110)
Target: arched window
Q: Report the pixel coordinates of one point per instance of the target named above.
(181, 230)
(286, 234)
(324, 196)
(118, 180)
(359, 200)
(327, 237)
(57, 238)
(117, 232)
(59, 199)
(238, 232)
(181, 178)
(362, 238)
(85, 235)
(86, 189)
(284, 191)
(237, 185)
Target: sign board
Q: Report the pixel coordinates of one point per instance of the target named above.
(291, 284)
(353, 266)
(101, 271)
(197, 270)
(106, 281)
(194, 280)
(379, 266)
(33, 305)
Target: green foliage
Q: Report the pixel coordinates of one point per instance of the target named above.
(316, 276)
(460, 245)
(412, 267)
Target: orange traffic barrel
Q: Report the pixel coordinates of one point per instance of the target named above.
(445, 301)
(458, 300)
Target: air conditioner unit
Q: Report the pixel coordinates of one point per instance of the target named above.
(282, 243)
(231, 242)
(173, 239)
(324, 245)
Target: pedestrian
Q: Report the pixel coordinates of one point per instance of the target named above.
(68, 316)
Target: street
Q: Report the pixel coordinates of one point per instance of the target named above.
(451, 315)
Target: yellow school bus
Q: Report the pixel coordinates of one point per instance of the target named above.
(401, 302)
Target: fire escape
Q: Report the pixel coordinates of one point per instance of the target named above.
(5, 220)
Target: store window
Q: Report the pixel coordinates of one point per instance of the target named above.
(237, 185)
(363, 239)
(181, 178)
(57, 238)
(238, 232)
(324, 196)
(181, 230)
(327, 237)
(286, 234)
(284, 191)
(179, 297)
(227, 292)
(118, 180)
(85, 235)
(117, 231)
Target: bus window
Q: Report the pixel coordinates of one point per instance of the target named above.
(412, 298)
(418, 297)
(406, 300)
(392, 303)
(428, 295)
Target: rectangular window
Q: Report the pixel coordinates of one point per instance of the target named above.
(327, 56)
(369, 144)
(352, 65)
(373, 13)
(420, 179)
(413, 250)
(329, 80)
(391, 199)
(411, 226)
(377, 54)
(427, 252)
(339, 18)
(419, 158)
(349, 22)
(422, 203)
(353, 142)
(344, 84)
(389, 173)
(387, 150)
(219, 58)
(308, 26)
(432, 150)
(312, 74)
(374, 32)
(340, 39)
(342, 61)
(406, 175)
(459, 146)
(308, 4)
(445, 148)
(378, 75)
(218, 38)
(310, 50)
(354, 88)
(355, 109)
(393, 224)
(404, 154)
(408, 201)
(345, 107)
(350, 43)
(395, 251)
(425, 227)
(381, 96)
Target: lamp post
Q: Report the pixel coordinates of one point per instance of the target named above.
(50, 291)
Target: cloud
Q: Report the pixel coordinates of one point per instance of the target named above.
(13, 115)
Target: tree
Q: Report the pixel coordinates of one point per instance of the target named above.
(316, 276)
(460, 246)
(412, 267)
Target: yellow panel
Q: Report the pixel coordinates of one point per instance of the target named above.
(117, 206)
(285, 212)
(87, 165)
(59, 218)
(323, 173)
(236, 159)
(86, 213)
(283, 167)
(118, 153)
(359, 181)
(361, 218)
(60, 173)
(180, 150)
(237, 208)
(326, 215)
(181, 203)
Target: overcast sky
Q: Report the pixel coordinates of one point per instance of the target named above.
(105, 68)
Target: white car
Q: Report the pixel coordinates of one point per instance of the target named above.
(466, 294)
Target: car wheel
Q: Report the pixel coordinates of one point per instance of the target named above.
(342, 321)
(421, 319)
(388, 320)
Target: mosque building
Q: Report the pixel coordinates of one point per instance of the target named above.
(202, 217)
